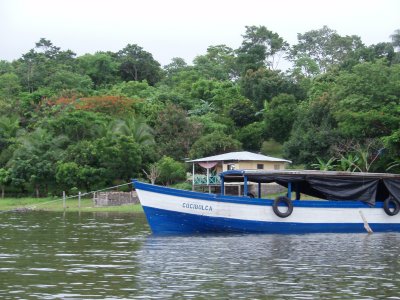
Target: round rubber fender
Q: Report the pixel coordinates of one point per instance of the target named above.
(288, 203)
(391, 206)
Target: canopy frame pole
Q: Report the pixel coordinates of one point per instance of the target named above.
(289, 190)
(222, 186)
(245, 188)
(298, 194)
(259, 190)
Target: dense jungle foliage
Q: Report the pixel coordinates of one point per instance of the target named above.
(73, 122)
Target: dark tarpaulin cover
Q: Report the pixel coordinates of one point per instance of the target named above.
(367, 189)
(356, 189)
(393, 186)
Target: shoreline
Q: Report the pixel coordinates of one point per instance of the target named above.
(56, 205)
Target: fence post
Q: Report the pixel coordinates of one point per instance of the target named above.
(64, 204)
(79, 200)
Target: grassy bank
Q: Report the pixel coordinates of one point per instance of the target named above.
(51, 204)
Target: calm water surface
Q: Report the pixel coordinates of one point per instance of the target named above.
(114, 256)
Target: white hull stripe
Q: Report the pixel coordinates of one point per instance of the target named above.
(264, 213)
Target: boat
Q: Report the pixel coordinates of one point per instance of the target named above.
(337, 202)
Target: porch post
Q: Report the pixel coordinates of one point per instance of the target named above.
(193, 178)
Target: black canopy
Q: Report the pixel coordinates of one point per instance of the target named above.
(366, 187)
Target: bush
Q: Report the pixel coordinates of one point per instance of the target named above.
(171, 171)
(183, 186)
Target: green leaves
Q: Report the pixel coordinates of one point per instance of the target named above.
(89, 121)
(325, 47)
(260, 48)
(280, 116)
(214, 143)
(175, 132)
(170, 171)
(137, 64)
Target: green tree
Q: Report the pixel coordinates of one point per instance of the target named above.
(135, 127)
(325, 46)
(214, 122)
(396, 39)
(120, 156)
(213, 144)
(203, 89)
(313, 132)
(272, 148)
(177, 87)
(101, 67)
(279, 116)
(305, 66)
(137, 64)
(4, 180)
(392, 143)
(171, 171)
(132, 89)
(34, 160)
(6, 67)
(217, 64)
(225, 94)
(67, 175)
(176, 65)
(251, 136)
(371, 53)
(39, 64)
(9, 126)
(260, 48)
(31, 69)
(175, 132)
(83, 161)
(66, 80)
(9, 86)
(243, 112)
(78, 125)
(262, 85)
(368, 100)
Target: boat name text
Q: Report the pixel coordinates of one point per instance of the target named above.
(197, 206)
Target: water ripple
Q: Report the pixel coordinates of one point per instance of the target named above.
(93, 256)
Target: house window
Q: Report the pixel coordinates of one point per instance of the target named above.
(231, 166)
(260, 166)
(277, 167)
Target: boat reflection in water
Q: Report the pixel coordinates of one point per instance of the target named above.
(276, 266)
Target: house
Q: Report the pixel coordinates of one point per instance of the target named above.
(244, 160)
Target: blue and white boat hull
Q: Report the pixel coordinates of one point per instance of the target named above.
(172, 211)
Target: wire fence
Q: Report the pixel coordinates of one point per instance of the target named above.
(34, 206)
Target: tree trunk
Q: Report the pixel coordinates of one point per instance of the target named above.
(2, 192)
(37, 191)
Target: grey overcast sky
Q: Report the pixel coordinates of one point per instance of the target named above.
(182, 28)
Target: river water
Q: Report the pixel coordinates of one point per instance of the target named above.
(46, 255)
